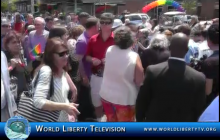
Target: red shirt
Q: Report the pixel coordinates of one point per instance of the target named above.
(18, 27)
(97, 48)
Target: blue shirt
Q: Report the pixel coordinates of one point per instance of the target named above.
(211, 114)
(192, 52)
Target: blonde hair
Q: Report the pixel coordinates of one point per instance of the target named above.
(76, 31)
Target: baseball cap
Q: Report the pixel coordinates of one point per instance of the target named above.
(31, 27)
(117, 23)
(4, 21)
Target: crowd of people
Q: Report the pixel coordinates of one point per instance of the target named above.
(86, 67)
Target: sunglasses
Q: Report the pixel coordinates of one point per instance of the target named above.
(105, 23)
(6, 26)
(62, 54)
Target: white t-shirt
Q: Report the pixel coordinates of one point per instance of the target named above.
(204, 49)
(118, 85)
(61, 90)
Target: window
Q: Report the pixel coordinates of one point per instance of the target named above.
(143, 16)
(216, 13)
(134, 17)
(188, 17)
(199, 9)
(171, 8)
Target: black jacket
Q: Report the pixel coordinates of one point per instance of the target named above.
(172, 92)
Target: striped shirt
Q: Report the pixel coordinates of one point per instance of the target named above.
(61, 90)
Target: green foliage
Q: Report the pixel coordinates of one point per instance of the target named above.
(190, 6)
(5, 5)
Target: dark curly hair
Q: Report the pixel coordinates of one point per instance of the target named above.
(123, 37)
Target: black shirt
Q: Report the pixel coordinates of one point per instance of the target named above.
(153, 57)
(47, 29)
(211, 70)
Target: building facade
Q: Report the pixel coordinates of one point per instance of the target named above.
(24, 6)
(206, 9)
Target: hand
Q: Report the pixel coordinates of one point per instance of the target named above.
(103, 61)
(71, 109)
(96, 61)
(14, 62)
(85, 80)
(71, 118)
(74, 96)
(15, 113)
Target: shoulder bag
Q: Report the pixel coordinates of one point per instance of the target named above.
(27, 109)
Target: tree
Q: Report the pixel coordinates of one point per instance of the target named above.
(6, 5)
(190, 6)
(13, 5)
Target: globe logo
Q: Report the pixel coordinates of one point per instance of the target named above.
(17, 128)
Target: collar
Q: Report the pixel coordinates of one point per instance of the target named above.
(86, 34)
(175, 58)
(111, 36)
(44, 31)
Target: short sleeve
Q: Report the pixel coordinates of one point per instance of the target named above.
(210, 68)
(89, 48)
(42, 88)
(81, 47)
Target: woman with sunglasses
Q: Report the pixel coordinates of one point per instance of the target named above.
(73, 63)
(55, 64)
(16, 62)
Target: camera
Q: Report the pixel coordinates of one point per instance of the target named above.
(198, 63)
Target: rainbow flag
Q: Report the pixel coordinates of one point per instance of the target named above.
(35, 51)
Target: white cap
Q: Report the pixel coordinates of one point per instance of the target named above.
(30, 27)
(117, 23)
(4, 21)
(55, 19)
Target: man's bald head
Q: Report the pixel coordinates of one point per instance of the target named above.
(39, 23)
(179, 45)
(40, 20)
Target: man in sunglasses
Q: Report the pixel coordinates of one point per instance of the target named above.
(95, 54)
(5, 27)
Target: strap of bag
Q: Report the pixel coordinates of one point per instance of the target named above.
(51, 89)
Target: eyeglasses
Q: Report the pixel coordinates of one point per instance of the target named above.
(37, 24)
(62, 54)
(105, 23)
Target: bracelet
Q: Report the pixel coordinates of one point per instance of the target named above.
(10, 68)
